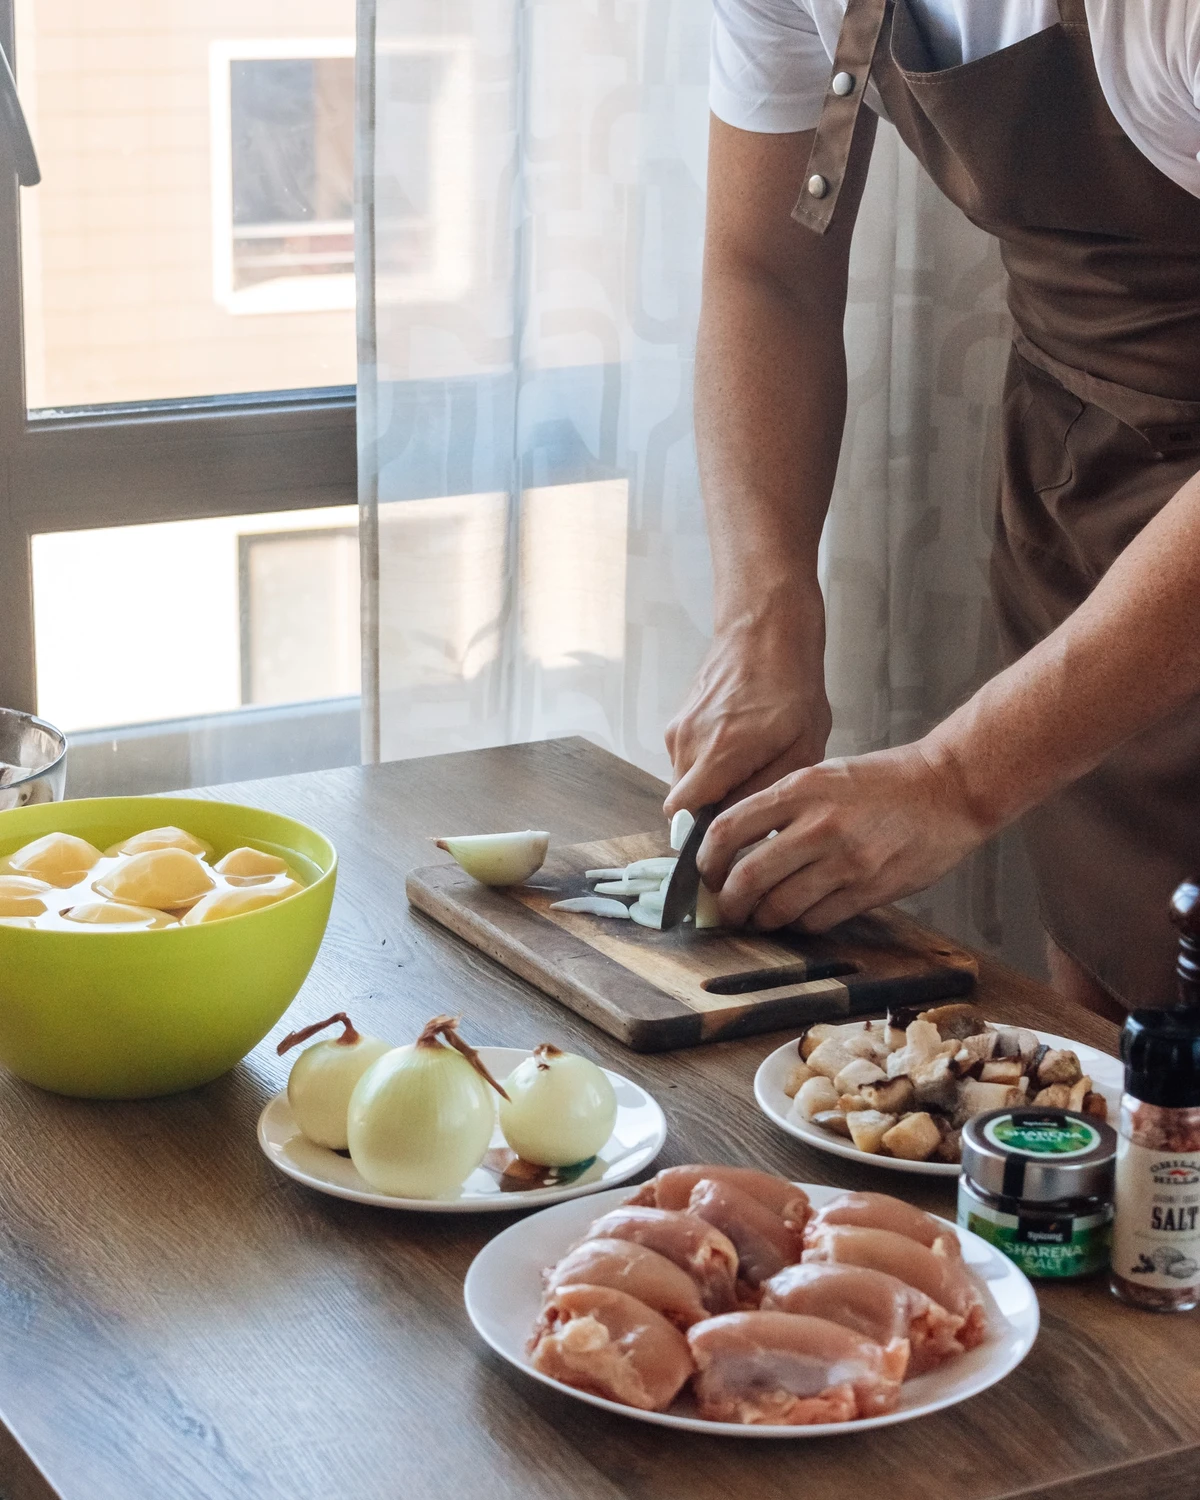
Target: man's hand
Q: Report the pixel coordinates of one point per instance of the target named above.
(850, 834)
(757, 709)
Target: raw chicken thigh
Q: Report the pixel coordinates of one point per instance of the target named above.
(878, 1211)
(707, 1255)
(608, 1342)
(672, 1188)
(942, 1277)
(779, 1368)
(721, 1279)
(631, 1268)
(872, 1303)
(763, 1241)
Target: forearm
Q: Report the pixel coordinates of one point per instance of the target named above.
(1126, 658)
(770, 407)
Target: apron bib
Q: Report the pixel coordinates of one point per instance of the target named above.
(1101, 416)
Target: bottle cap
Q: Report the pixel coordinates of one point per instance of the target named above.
(1161, 1053)
(1039, 1155)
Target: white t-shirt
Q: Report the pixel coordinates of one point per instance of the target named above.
(771, 62)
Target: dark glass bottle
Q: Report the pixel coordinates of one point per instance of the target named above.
(1156, 1233)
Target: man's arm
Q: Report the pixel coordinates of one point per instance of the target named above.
(770, 408)
(856, 833)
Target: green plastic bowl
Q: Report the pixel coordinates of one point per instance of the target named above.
(128, 1015)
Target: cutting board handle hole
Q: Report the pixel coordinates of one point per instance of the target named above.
(753, 980)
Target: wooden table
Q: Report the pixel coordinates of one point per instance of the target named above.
(179, 1321)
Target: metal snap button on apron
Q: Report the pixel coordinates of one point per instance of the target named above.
(843, 83)
(817, 186)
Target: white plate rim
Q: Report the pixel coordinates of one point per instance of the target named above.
(980, 1254)
(822, 1140)
(500, 1061)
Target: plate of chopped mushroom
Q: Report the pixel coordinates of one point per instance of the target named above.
(898, 1091)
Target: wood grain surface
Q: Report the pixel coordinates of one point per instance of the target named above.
(656, 991)
(180, 1322)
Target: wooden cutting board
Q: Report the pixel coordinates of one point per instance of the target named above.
(660, 990)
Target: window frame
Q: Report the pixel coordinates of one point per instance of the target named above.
(286, 296)
(80, 468)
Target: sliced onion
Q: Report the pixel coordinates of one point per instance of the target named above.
(596, 906)
(626, 887)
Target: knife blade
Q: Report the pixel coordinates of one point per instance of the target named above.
(684, 884)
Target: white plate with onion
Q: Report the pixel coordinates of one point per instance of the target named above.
(501, 1183)
(503, 1294)
(1107, 1074)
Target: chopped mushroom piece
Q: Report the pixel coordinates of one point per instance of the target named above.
(799, 1074)
(829, 1058)
(895, 1097)
(915, 1138)
(975, 1050)
(814, 1096)
(935, 1083)
(814, 1036)
(1079, 1092)
(954, 1021)
(921, 1041)
(856, 1074)
(1059, 1066)
(1002, 1070)
(977, 1098)
(1016, 1041)
(834, 1121)
(868, 1127)
(949, 1147)
(1057, 1096)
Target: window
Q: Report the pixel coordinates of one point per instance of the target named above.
(173, 468)
(283, 175)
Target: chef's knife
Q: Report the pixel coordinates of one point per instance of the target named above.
(684, 884)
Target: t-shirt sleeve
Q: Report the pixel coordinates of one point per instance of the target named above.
(769, 67)
(1148, 61)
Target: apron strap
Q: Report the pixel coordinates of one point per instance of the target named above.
(1073, 13)
(839, 113)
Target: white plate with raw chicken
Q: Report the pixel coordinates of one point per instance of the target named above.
(510, 1287)
(774, 1090)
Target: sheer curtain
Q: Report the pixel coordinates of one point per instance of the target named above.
(534, 562)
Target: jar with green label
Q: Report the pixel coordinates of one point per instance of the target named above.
(1038, 1184)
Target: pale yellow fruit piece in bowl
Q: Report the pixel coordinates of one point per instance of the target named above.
(162, 838)
(117, 914)
(165, 879)
(247, 861)
(21, 896)
(237, 900)
(59, 858)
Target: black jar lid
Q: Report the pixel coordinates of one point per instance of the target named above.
(1039, 1155)
(1161, 1053)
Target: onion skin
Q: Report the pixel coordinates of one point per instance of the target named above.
(561, 1108)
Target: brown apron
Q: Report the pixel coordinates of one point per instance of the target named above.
(1101, 413)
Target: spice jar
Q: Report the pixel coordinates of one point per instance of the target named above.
(1037, 1184)
(1156, 1246)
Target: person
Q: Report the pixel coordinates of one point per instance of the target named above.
(1071, 132)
